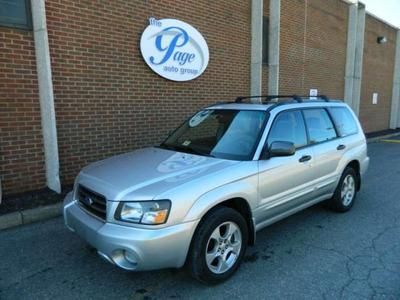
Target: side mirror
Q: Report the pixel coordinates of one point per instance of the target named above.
(281, 149)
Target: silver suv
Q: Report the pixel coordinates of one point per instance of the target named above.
(230, 170)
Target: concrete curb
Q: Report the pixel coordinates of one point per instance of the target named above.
(381, 137)
(51, 211)
(30, 216)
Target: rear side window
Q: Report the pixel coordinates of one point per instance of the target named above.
(319, 125)
(288, 127)
(344, 121)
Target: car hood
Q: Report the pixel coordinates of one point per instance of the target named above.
(145, 173)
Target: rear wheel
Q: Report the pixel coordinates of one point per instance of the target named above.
(218, 246)
(346, 191)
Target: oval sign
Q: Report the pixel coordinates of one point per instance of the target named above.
(174, 49)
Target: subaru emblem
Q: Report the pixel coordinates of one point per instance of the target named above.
(87, 200)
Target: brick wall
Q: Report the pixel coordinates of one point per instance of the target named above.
(313, 46)
(21, 148)
(377, 76)
(108, 100)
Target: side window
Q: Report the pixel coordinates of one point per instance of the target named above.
(319, 125)
(344, 121)
(288, 127)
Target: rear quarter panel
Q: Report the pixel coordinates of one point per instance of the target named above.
(356, 149)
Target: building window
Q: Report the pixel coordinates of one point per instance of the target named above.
(265, 40)
(16, 14)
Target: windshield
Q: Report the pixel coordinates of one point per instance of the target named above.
(228, 134)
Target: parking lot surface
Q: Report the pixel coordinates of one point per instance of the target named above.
(315, 254)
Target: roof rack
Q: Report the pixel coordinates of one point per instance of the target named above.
(268, 98)
(296, 98)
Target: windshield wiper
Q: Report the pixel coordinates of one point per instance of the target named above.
(197, 151)
(186, 149)
(169, 147)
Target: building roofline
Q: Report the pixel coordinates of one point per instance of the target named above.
(382, 20)
(350, 2)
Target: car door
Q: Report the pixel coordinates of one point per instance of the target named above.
(284, 182)
(327, 148)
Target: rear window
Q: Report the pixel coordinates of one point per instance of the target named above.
(344, 121)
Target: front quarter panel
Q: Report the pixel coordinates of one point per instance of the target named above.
(245, 188)
(192, 200)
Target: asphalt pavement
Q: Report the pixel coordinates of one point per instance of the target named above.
(315, 254)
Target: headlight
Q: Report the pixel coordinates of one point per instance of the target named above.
(145, 212)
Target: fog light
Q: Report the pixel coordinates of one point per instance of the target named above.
(129, 256)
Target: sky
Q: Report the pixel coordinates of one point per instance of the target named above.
(388, 10)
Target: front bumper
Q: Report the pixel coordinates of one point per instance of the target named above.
(128, 247)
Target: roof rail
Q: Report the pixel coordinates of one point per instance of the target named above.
(268, 98)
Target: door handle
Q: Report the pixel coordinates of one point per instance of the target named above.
(340, 147)
(305, 158)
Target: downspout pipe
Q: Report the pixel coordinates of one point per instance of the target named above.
(274, 46)
(46, 96)
(350, 54)
(256, 48)
(359, 54)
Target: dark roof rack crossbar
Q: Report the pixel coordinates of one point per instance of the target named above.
(268, 98)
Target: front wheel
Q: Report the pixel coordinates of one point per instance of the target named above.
(218, 246)
(346, 191)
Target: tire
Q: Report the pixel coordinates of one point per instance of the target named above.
(226, 255)
(342, 202)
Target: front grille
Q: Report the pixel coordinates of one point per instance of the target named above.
(94, 203)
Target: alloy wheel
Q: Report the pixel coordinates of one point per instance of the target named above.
(348, 190)
(223, 247)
